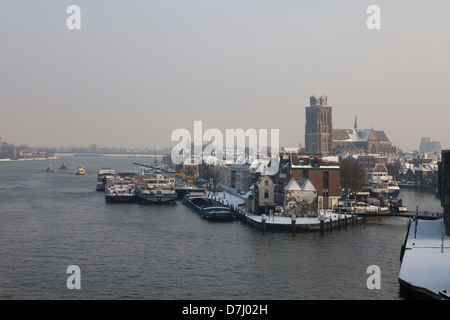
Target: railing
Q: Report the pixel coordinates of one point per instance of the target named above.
(444, 295)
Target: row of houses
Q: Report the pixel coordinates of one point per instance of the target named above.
(302, 184)
(420, 169)
(414, 168)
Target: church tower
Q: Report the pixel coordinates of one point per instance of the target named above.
(318, 126)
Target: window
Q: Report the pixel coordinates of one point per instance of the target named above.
(266, 183)
(266, 194)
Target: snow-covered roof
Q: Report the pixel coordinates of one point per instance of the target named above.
(290, 149)
(359, 135)
(300, 185)
(330, 159)
(212, 160)
(307, 163)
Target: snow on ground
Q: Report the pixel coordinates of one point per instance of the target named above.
(427, 256)
(230, 196)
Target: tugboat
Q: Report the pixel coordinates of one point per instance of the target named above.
(80, 171)
(50, 169)
(63, 166)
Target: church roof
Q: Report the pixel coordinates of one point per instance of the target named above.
(341, 134)
(359, 135)
(381, 135)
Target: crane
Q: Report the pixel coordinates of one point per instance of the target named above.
(189, 178)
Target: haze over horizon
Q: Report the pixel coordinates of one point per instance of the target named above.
(136, 71)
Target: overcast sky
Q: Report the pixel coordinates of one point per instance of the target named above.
(138, 70)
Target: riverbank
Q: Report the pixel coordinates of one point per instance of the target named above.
(326, 219)
(30, 159)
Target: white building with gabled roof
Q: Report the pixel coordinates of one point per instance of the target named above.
(300, 198)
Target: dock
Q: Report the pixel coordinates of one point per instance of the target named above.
(425, 257)
(425, 215)
(326, 220)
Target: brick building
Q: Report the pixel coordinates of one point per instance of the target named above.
(324, 174)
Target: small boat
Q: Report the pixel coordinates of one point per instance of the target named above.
(384, 188)
(50, 169)
(397, 206)
(80, 171)
(120, 190)
(63, 166)
(208, 208)
(393, 189)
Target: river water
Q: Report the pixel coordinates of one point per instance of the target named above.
(49, 221)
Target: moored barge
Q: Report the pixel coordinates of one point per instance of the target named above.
(208, 208)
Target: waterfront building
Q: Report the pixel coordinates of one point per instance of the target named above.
(300, 198)
(421, 158)
(324, 174)
(370, 161)
(282, 177)
(263, 195)
(444, 187)
(318, 126)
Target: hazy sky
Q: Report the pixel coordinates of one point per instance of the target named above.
(137, 70)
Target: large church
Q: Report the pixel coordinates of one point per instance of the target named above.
(321, 138)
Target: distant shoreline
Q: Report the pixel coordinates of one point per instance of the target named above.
(130, 155)
(61, 155)
(29, 159)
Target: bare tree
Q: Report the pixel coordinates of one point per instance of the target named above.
(353, 177)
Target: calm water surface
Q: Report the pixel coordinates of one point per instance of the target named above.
(49, 221)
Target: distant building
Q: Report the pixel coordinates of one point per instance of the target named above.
(369, 161)
(290, 150)
(426, 145)
(361, 141)
(322, 139)
(318, 127)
